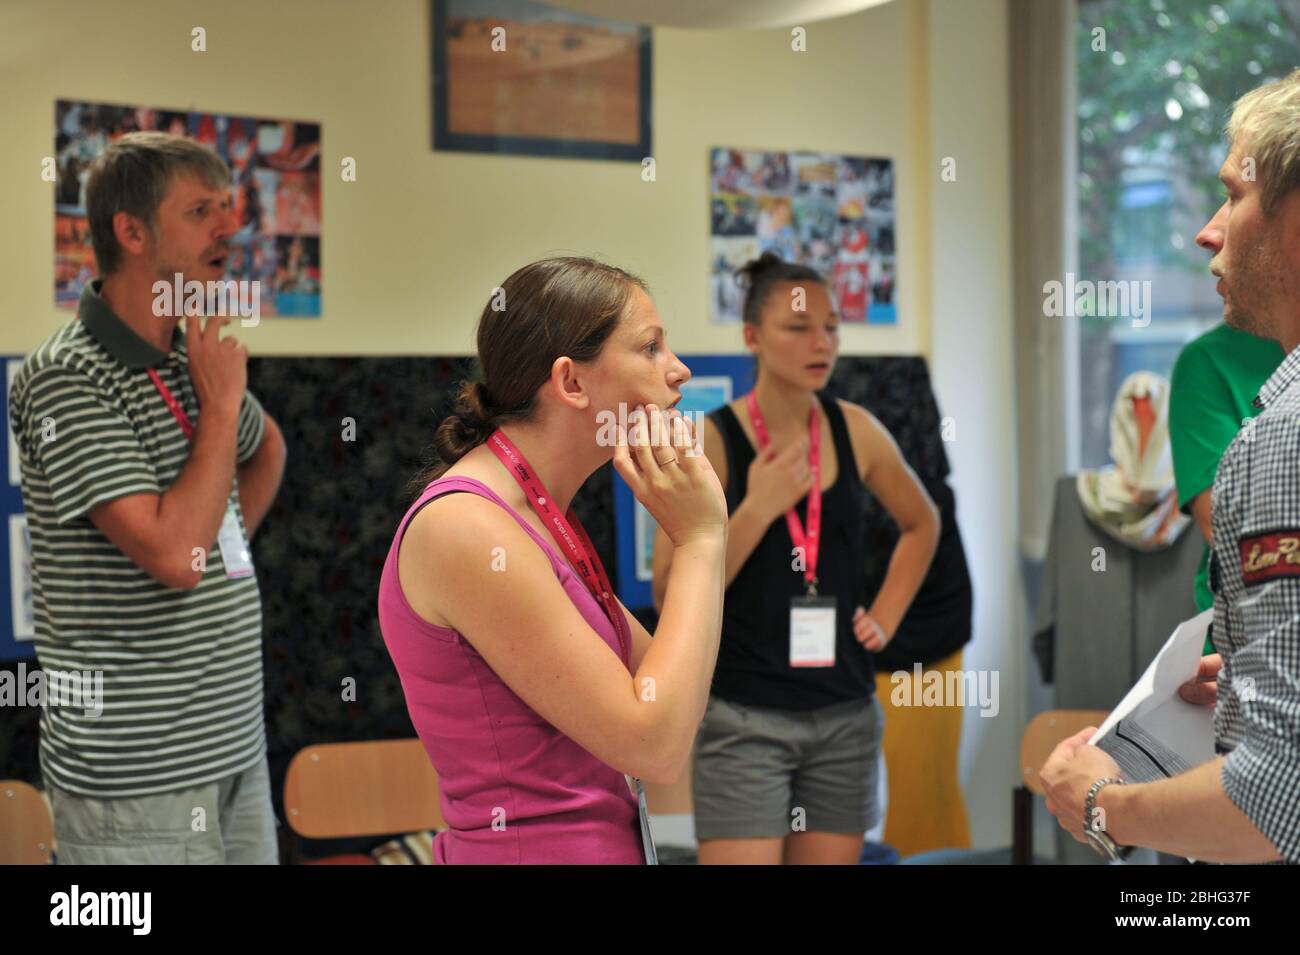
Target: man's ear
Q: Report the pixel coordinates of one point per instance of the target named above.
(131, 234)
(751, 336)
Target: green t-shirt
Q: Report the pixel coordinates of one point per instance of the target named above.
(1215, 379)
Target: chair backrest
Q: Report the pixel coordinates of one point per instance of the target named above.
(26, 827)
(336, 790)
(1044, 732)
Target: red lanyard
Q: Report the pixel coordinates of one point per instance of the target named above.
(173, 406)
(569, 534)
(811, 543)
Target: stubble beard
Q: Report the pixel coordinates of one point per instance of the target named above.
(1256, 284)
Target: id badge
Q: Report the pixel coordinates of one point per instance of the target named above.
(234, 548)
(647, 838)
(812, 631)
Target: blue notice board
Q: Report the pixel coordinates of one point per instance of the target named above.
(715, 380)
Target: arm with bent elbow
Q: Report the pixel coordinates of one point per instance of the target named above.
(160, 532)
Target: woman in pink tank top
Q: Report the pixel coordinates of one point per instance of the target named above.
(535, 693)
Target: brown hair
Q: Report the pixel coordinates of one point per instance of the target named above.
(132, 176)
(557, 307)
(758, 276)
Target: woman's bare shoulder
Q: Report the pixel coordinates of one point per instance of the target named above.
(871, 440)
(862, 422)
(449, 545)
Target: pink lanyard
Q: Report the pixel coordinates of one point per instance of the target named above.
(569, 535)
(173, 405)
(811, 543)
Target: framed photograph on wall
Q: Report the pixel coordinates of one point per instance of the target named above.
(275, 178)
(519, 77)
(834, 213)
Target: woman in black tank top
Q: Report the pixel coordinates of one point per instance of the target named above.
(785, 759)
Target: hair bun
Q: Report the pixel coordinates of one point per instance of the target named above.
(750, 272)
(479, 403)
(476, 413)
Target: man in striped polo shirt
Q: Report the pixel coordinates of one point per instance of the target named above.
(146, 467)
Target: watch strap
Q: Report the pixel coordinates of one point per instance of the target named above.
(1100, 838)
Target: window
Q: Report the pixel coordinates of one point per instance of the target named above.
(1156, 80)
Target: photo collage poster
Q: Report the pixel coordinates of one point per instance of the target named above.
(833, 213)
(275, 180)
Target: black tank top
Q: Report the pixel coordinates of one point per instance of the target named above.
(754, 656)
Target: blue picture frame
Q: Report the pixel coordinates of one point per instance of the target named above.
(715, 380)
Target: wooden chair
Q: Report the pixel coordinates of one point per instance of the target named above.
(1044, 732)
(341, 790)
(26, 826)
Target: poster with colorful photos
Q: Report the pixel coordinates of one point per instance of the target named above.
(834, 213)
(17, 610)
(275, 178)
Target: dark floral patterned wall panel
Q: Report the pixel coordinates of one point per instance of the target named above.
(358, 430)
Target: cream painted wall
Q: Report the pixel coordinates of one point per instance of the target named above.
(412, 250)
(973, 373)
(960, 89)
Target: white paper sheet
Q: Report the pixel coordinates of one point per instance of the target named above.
(1186, 728)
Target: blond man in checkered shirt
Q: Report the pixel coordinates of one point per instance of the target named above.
(1242, 806)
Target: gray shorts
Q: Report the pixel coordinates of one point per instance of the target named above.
(764, 773)
(236, 826)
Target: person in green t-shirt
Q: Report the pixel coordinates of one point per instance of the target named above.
(1215, 380)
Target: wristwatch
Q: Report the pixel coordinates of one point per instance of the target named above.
(1099, 839)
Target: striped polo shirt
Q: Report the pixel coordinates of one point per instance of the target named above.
(181, 700)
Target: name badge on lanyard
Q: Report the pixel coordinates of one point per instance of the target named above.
(647, 837)
(571, 537)
(812, 618)
(235, 553)
(812, 631)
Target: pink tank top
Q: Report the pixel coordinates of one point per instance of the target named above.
(496, 758)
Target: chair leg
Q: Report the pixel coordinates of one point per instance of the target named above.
(1022, 827)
